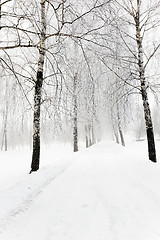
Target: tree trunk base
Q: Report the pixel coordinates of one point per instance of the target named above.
(33, 170)
(151, 145)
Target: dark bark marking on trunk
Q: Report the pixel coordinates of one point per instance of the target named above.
(146, 107)
(36, 124)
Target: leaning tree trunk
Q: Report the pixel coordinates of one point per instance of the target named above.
(146, 107)
(120, 127)
(115, 133)
(120, 131)
(37, 94)
(149, 125)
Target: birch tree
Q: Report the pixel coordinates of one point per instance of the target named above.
(37, 31)
(140, 17)
(65, 16)
(38, 90)
(75, 114)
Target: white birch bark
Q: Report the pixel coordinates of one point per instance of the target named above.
(37, 94)
(146, 107)
(75, 115)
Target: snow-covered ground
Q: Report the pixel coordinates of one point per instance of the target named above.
(106, 192)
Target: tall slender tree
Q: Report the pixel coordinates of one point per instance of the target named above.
(141, 68)
(140, 17)
(75, 114)
(38, 92)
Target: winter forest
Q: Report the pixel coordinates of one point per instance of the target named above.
(79, 73)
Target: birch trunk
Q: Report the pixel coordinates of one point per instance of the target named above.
(146, 107)
(93, 135)
(37, 94)
(119, 127)
(114, 126)
(89, 135)
(5, 117)
(5, 129)
(86, 133)
(75, 116)
(4, 139)
(89, 131)
(115, 132)
(116, 137)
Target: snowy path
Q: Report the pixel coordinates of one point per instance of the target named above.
(18, 188)
(109, 193)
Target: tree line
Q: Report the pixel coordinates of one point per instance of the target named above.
(77, 66)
